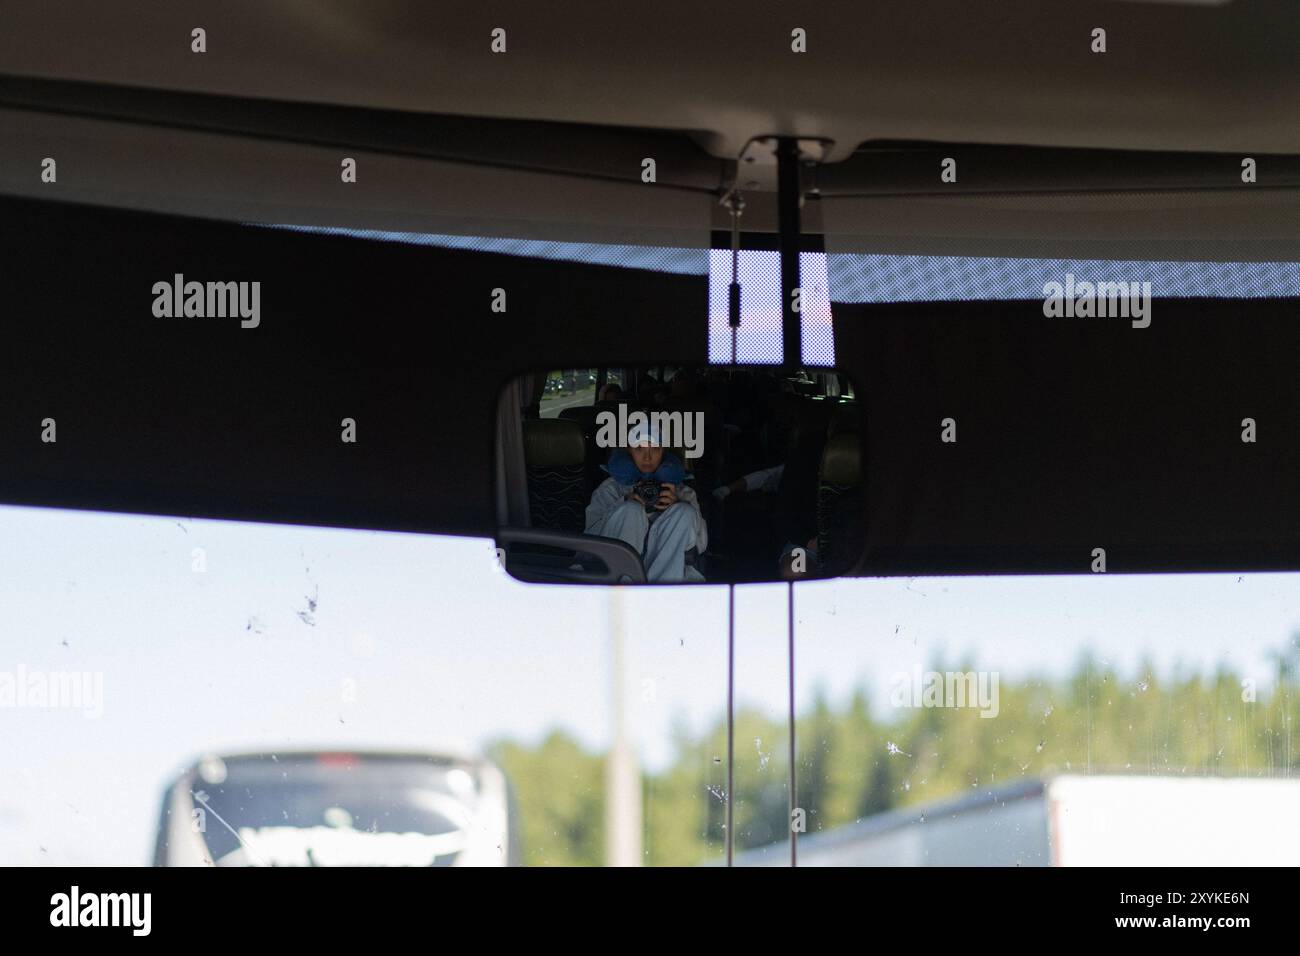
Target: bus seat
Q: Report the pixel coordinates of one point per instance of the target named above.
(555, 456)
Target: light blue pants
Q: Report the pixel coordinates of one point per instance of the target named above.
(662, 545)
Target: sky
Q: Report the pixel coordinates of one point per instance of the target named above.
(421, 642)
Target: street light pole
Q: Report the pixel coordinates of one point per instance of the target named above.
(622, 774)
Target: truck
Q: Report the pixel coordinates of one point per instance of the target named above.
(1074, 820)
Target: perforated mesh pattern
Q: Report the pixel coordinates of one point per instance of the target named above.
(818, 331)
(759, 340)
(893, 278)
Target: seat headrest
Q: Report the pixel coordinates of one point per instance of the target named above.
(842, 460)
(553, 443)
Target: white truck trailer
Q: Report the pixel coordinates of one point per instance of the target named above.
(1074, 820)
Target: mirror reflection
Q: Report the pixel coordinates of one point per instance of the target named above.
(677, 474)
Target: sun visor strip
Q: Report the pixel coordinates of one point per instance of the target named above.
(208, 416)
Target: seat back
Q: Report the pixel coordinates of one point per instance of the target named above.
(585, 417)
(555, 455)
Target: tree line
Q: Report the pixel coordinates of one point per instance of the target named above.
(855, 759)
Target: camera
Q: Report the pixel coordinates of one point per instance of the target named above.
(648, 491)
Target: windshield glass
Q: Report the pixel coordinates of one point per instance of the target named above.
(1097, 720)
(596, 719)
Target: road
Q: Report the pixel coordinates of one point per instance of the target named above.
(552, 408)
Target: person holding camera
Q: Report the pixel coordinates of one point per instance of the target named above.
(646, 502)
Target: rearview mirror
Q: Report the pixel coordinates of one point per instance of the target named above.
(672, 475)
